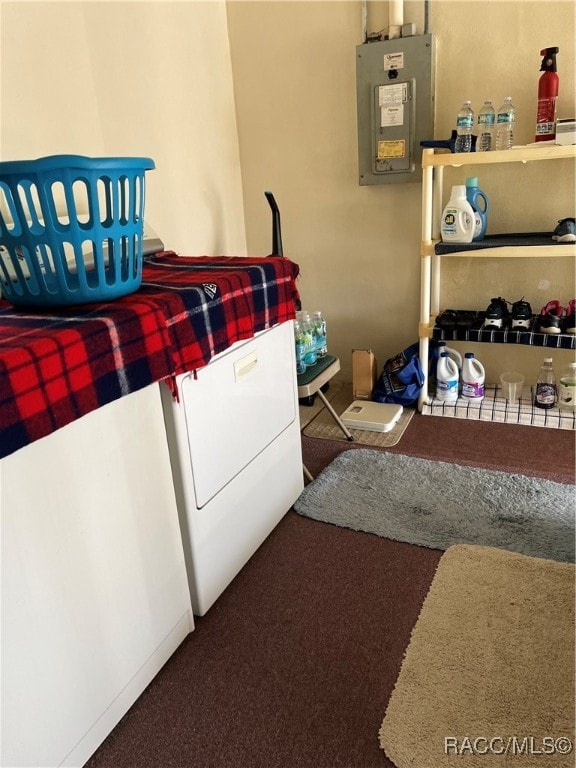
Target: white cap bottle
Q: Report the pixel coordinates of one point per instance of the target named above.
(458, 223)
(446, 379)
(473, 376)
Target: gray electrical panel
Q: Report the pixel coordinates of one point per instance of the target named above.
(395, 101)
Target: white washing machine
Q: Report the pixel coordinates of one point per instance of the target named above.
(94, 584)
(234, 437)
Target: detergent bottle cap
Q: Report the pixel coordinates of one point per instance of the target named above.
(472, 181)
(549, 60)
(458, 191)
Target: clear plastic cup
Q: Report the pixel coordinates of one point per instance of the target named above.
(512, 383)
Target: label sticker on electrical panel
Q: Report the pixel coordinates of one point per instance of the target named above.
(392, 95)
(391, 99)
(393, 61)
(391, 116)
(388, 149)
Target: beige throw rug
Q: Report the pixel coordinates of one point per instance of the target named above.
(488, 676)
(317, 421)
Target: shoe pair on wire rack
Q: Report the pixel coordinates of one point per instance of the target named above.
(555, 319)
(498, 315)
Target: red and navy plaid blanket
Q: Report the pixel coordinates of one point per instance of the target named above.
(56, 366)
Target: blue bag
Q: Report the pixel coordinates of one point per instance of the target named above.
(401, 379)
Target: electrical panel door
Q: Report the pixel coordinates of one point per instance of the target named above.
(395, 101)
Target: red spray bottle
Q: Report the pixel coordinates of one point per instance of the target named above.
(547, 94)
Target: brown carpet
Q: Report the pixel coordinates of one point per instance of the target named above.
(294, 665)
(490, 666)
(548, 453)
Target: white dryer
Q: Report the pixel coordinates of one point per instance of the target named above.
(234, 437)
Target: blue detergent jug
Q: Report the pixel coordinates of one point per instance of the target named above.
(479, 203)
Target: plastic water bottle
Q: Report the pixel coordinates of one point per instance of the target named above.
(479, 203)
(473, 375)
(546, 386)
(505, 125)
(486, 122)
(567, 389)
(464, 125)
(320, 334)
(446, 379)
(310, 354)
(457, 223)
(300, 347)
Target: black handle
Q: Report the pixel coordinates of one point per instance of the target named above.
(276, 230)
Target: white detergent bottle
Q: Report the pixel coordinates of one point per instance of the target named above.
(436, 354)
(446, 379)
(458, 223)
(473, 375)
(453, 353)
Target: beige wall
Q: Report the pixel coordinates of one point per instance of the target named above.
(358, 247)
(135, 78)
(232, 99)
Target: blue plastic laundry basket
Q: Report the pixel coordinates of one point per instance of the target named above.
(71, 229)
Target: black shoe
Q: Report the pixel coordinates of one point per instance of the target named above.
(550, 319)
(565, 231)
(496, 314)
(465, 319)
(521, 315)
(570, 319)
(447, 320)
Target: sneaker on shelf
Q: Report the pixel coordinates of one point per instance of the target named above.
(521, 315)
(550, 319)
(496, 314)
(565, 231)
(570, 319)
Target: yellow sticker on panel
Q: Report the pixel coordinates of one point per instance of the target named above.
(388, 149)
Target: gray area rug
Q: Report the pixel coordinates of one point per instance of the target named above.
(436, 504)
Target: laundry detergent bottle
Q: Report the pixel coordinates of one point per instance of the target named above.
(473, 376)
(458, 223)
(435, 355)
(446, 379)
(479, 203)
(453, 353)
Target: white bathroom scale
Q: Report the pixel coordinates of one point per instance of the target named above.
(375, 417)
